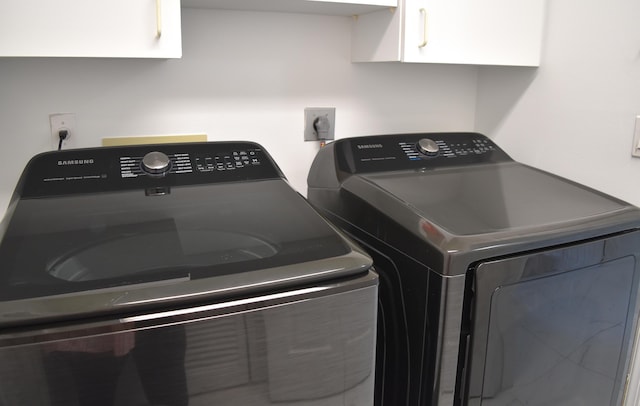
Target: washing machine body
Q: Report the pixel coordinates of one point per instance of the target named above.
(500, 284)
(178, 274)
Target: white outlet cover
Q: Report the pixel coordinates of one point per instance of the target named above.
(63, 121)
(635, 149)
(311, 114)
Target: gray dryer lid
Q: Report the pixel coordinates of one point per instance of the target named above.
(481, 199)
(451, 199)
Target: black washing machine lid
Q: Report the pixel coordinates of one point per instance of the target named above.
(227, 236)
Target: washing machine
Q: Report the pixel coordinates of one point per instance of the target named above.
(178, 274)
(500, 284)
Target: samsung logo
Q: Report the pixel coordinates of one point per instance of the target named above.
(75, 162)
(369, 146)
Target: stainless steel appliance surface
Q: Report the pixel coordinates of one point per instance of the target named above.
(500, 284)
(178, 274)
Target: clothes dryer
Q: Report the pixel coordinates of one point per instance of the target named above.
(500, 284)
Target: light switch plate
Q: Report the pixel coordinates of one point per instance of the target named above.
(635, 150)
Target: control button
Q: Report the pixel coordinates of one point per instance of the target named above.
(156, 163)
(427, 147)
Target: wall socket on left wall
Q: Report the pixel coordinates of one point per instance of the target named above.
(63, 122)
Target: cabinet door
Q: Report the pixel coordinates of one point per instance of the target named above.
(91, 28)
(482, 32)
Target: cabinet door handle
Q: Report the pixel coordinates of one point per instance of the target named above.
(425, 35)
(158, 18)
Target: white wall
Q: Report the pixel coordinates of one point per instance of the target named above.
(243, 76)
(575, 114)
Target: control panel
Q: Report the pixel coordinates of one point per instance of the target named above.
(156, 163)
(227, 161)
(415, 151)
(155, 168)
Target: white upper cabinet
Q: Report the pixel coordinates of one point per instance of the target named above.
(328, 7)
(479, 32)
(91, 28)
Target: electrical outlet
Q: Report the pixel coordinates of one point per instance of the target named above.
(63, 122)
(319, 123)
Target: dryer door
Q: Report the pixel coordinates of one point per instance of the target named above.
(555, 327)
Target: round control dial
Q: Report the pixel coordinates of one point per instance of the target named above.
(156, 163)
(427, 147)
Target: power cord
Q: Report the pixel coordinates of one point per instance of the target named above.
(62, 134)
